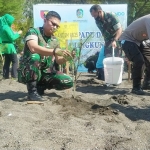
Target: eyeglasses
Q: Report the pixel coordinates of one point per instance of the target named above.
(54, 24)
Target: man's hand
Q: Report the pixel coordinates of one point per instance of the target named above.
(64, 53)
(113, 44)
(60, 60)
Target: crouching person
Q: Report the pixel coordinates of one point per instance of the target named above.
(36, 67)
(90, 63)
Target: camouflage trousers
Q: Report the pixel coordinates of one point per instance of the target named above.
(33, 69)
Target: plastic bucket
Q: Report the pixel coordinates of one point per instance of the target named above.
(113, 70)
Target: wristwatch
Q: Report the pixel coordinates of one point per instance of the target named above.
(55, 50)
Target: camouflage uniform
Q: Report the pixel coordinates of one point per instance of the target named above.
(108, 27)
(34, 67)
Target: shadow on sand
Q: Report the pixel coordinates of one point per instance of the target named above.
(133, 113)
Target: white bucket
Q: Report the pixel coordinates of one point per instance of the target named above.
(113, 69)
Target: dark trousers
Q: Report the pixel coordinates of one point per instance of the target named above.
(100, 73)
(8, 59)
(141, 60)
(146, 55)
(91, 66)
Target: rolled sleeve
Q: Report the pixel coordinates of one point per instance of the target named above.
(115, 21)
(117, 26)
(32, 34)
(31, 37)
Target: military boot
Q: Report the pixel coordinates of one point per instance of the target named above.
(32, 92)
(41, 89)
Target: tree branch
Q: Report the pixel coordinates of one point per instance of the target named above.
(138, 12)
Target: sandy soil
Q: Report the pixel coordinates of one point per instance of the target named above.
(100, 118)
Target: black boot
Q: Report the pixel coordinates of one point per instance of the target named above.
(101, 74)
(41, 89)
(137, 87)
(32, 92)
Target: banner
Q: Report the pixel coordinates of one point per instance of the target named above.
(67, 31)
(80, 14)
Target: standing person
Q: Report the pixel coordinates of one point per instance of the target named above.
(110, 28)
(131, 39)
(40, 48)
(7, 46)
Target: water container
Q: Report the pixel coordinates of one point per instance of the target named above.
(113, 69)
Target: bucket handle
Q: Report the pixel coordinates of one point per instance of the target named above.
(113, 53)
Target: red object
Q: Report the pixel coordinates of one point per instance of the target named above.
(43, 13)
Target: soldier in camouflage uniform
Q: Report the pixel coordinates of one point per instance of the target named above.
(110, 28)
(40, 51)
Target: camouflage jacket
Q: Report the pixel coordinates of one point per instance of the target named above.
(108, 26)
(44, 41)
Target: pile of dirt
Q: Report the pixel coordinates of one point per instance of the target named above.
(78, 107)
(121, 99)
